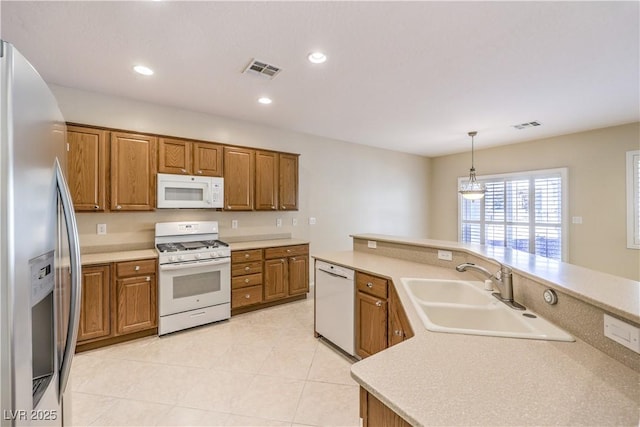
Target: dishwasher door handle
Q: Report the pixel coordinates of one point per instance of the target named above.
(333, 274)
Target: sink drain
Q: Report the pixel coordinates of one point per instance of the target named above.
(529, 315)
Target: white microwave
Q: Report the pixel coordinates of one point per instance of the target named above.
(190, 192)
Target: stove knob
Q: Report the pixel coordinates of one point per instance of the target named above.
(172, 258)
(212, 255)
(180, 257)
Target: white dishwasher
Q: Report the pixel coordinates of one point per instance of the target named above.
(335, 305)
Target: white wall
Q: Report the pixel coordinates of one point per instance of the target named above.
(596, 164)
(349, 188)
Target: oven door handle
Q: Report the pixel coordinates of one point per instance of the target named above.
(192, 264)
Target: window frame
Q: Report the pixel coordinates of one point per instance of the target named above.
(633, 199)
(540, 173)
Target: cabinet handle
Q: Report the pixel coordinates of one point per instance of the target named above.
(397, 332)
(247, 255)
(96, 207)
(228, 206)
(378, 303)
(246, 280)
(247, 268)
(369, 285)
(273, 207)
(118, 207)
(283, 207)
(293, 259)
(199, 172)
(136, 268)
(282, 260)
(247, 296)
(288, 251)
(148, 279)
(183, 170)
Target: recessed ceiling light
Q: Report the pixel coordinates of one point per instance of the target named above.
(264, 100)
(141, 69)
(317, 57)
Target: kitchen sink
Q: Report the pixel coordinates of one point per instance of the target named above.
(464, 307)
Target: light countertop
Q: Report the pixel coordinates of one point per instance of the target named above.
(107, 257)
(261, 244)
(613, 293)
(450, 379)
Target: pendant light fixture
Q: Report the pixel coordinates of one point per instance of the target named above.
(472, 190)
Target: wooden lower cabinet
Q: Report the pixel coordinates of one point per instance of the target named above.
(136, 304)
(246, 278)
(264, 277)
(380, 319)
(119, 302)
(374, 413)
(95, 306)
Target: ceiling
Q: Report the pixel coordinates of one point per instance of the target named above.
(407, 76)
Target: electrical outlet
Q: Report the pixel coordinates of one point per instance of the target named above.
(279, 222)
(312, 221)
(372, 244)
(576, 219)
(622, 333)
(101, 229)
(445, 255)
(234, 223)
(294, 221)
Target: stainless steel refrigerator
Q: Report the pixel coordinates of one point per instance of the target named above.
(39, 251)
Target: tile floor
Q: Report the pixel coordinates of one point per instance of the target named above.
(257, 369)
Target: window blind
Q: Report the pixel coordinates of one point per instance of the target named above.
(522, 211)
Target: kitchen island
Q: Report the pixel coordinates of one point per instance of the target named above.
(450, 379)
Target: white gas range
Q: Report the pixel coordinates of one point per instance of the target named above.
(194, 285)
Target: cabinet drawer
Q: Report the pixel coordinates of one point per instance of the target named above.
(286, 251)
(136, 268)
(246, 268)
(371, 285)
(246, 256)
(246, 296)
(248, 280)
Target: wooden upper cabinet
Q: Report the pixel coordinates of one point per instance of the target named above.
(133, 171)
(179, 156)
(174, 156)
(86, 168)
(207, 159)
(239, 172)
(288, 185)
(266, 180)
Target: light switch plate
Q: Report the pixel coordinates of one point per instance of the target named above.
(279, 222)
(622, 333)
(234, 223)
(101, 229)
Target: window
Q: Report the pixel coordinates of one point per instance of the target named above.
(633, 199)
(524, 211)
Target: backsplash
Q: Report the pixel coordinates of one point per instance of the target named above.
(136, 230)
(578, 317)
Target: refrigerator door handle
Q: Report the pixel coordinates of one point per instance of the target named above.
(74, 260)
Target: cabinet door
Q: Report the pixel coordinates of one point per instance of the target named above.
(174, 156)
(275, 279)
(86, 168)
(399, 328)
(288, 171)
(239, 168)
(266, 180)
(298, 275)
(95, 307)
(207, 159)
(371, 324)
(133, 172)
(136, 304)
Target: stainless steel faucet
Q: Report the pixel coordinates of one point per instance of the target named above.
(503, 279)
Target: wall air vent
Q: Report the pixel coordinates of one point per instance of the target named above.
(527, 125)
(261, 68)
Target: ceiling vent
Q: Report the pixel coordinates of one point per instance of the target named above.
(526, 125)
(261, 68)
